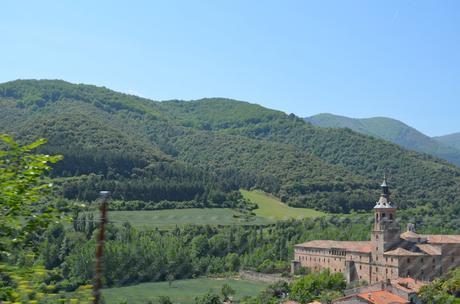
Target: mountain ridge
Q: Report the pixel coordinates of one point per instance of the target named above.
(392, 130)
(213, 146)
(452, 140)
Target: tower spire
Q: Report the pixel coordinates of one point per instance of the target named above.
(385, 188)
(384, 201)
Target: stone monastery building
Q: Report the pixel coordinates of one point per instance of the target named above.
(389, 254)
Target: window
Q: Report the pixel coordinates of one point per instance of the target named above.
(391, 216)
(408, 260)
(360, 267)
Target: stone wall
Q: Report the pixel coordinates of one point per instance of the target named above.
(262, 277)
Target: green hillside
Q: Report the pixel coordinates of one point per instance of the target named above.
(200, 153)
(452, 140)
(392, 130)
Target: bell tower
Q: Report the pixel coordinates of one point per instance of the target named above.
(386, 231)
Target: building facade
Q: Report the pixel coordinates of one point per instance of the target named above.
(389, 254)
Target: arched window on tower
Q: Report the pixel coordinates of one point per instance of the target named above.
(391, 216)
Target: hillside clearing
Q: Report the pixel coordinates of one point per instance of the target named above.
(181, 291)
(272, 208)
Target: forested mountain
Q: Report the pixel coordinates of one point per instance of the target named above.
(395, 131)
(202, 151)
(452, 140)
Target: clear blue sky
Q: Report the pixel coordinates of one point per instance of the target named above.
(355, 58)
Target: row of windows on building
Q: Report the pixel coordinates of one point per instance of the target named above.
(322, 252)
(315, 259)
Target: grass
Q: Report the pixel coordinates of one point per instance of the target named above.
(181, 291)
(168, 219)
(272, 208)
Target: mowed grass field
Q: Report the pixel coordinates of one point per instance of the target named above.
(182, 291)
(169, 219)
(272, 208)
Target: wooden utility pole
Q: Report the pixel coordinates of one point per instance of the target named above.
(100, 247)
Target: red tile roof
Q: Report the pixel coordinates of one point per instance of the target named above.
(357, 246)
(408, 284)
(402, 252)
(429, 249)
(382, 297)
(373, 297)
(410, 235)
(442, 238)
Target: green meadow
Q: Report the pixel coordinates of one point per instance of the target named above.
(272, 208)
(181, 291)
(169, 219)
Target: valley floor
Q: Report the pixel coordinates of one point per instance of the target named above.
(168, 219)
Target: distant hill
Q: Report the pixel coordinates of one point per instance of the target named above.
(395, 131)
(452, 140)
(197, 153)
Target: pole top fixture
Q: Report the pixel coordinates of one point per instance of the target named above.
(104, 194)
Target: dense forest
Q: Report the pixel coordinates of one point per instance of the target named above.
(157, 155)
(201, 152)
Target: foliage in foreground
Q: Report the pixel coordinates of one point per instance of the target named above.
(21, 187)
(444, 290)
(318, 286)
(23, 218)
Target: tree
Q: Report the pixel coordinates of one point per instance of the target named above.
(208, 298)
(170, 279)
(444, 290)
(278, 289)
(165, 300)
(313, 286)
(22, 185)
(23, 218)
(227, 292)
